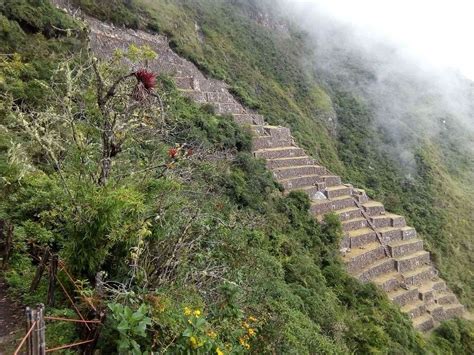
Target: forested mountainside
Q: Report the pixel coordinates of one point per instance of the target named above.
(203, 253)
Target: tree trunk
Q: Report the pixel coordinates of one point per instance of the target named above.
(107, 139)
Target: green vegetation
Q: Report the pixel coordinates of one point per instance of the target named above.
(206, 254)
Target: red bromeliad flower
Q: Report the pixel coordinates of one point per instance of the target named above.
(172, 153)
(147, 78)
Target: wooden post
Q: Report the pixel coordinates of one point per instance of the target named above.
(40, 329)
(53, 269)
(94, 335)
(29, 322)
(39, 271)
(34, 333)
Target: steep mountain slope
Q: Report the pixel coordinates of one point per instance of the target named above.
(264, 62)
(377, 246)
(208, 233)
(201, 246)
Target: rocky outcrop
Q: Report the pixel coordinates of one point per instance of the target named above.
(377, 245)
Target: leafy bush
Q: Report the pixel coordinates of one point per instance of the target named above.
(120, 12)
(248, 180)
(131, 326)
(454, 337)
(38, 16)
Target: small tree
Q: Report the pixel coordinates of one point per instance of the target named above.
(120, 108)
(124, 103)
(98, 115)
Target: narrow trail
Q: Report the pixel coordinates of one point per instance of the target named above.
(11, 320)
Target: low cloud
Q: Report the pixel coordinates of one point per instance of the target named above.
(412, 98)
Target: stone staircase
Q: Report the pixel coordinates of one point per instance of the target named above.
(377, 246)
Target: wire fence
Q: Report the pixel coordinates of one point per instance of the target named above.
(34, 341)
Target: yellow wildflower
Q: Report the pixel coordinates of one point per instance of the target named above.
(187, 311)
(194, 342)
(244, 343)
(219, 352)
(251, 331)
(245, 325)
(212, 334)
(252, 319)
(197, 312)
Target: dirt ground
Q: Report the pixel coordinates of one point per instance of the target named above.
(11, 321)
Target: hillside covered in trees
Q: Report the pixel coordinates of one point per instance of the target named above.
(200, 250)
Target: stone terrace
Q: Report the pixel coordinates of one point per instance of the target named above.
(377, 246)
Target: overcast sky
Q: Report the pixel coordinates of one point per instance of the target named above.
(437, 32)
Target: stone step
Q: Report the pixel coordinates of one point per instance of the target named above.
(428, 288)
(288, 162)
(209, 85)
(377, 268)
(284, 152)
(412, 261)
(186, 83)
(423, 323)
(249, 119)
(209, 97)
(359, 237)
(338, 190)
(295, 171)
(331, 180)
(436, 311)
(419, 275)
(405, 247)
(229, 108)
(408, 233)
(373, 208)
(402, 296)
(296, 183)
(320, 207)
(197, 96)
(354, 224)
(265, 142)
(445, 297)
(360, 195)
(414, 309)
(358, 258)
(314, 192)
(349, 213)
(453, 310)
(389, 234)
(219, 97)
(278, 132)
(387, 282)
(388, 220)
(426, 292)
